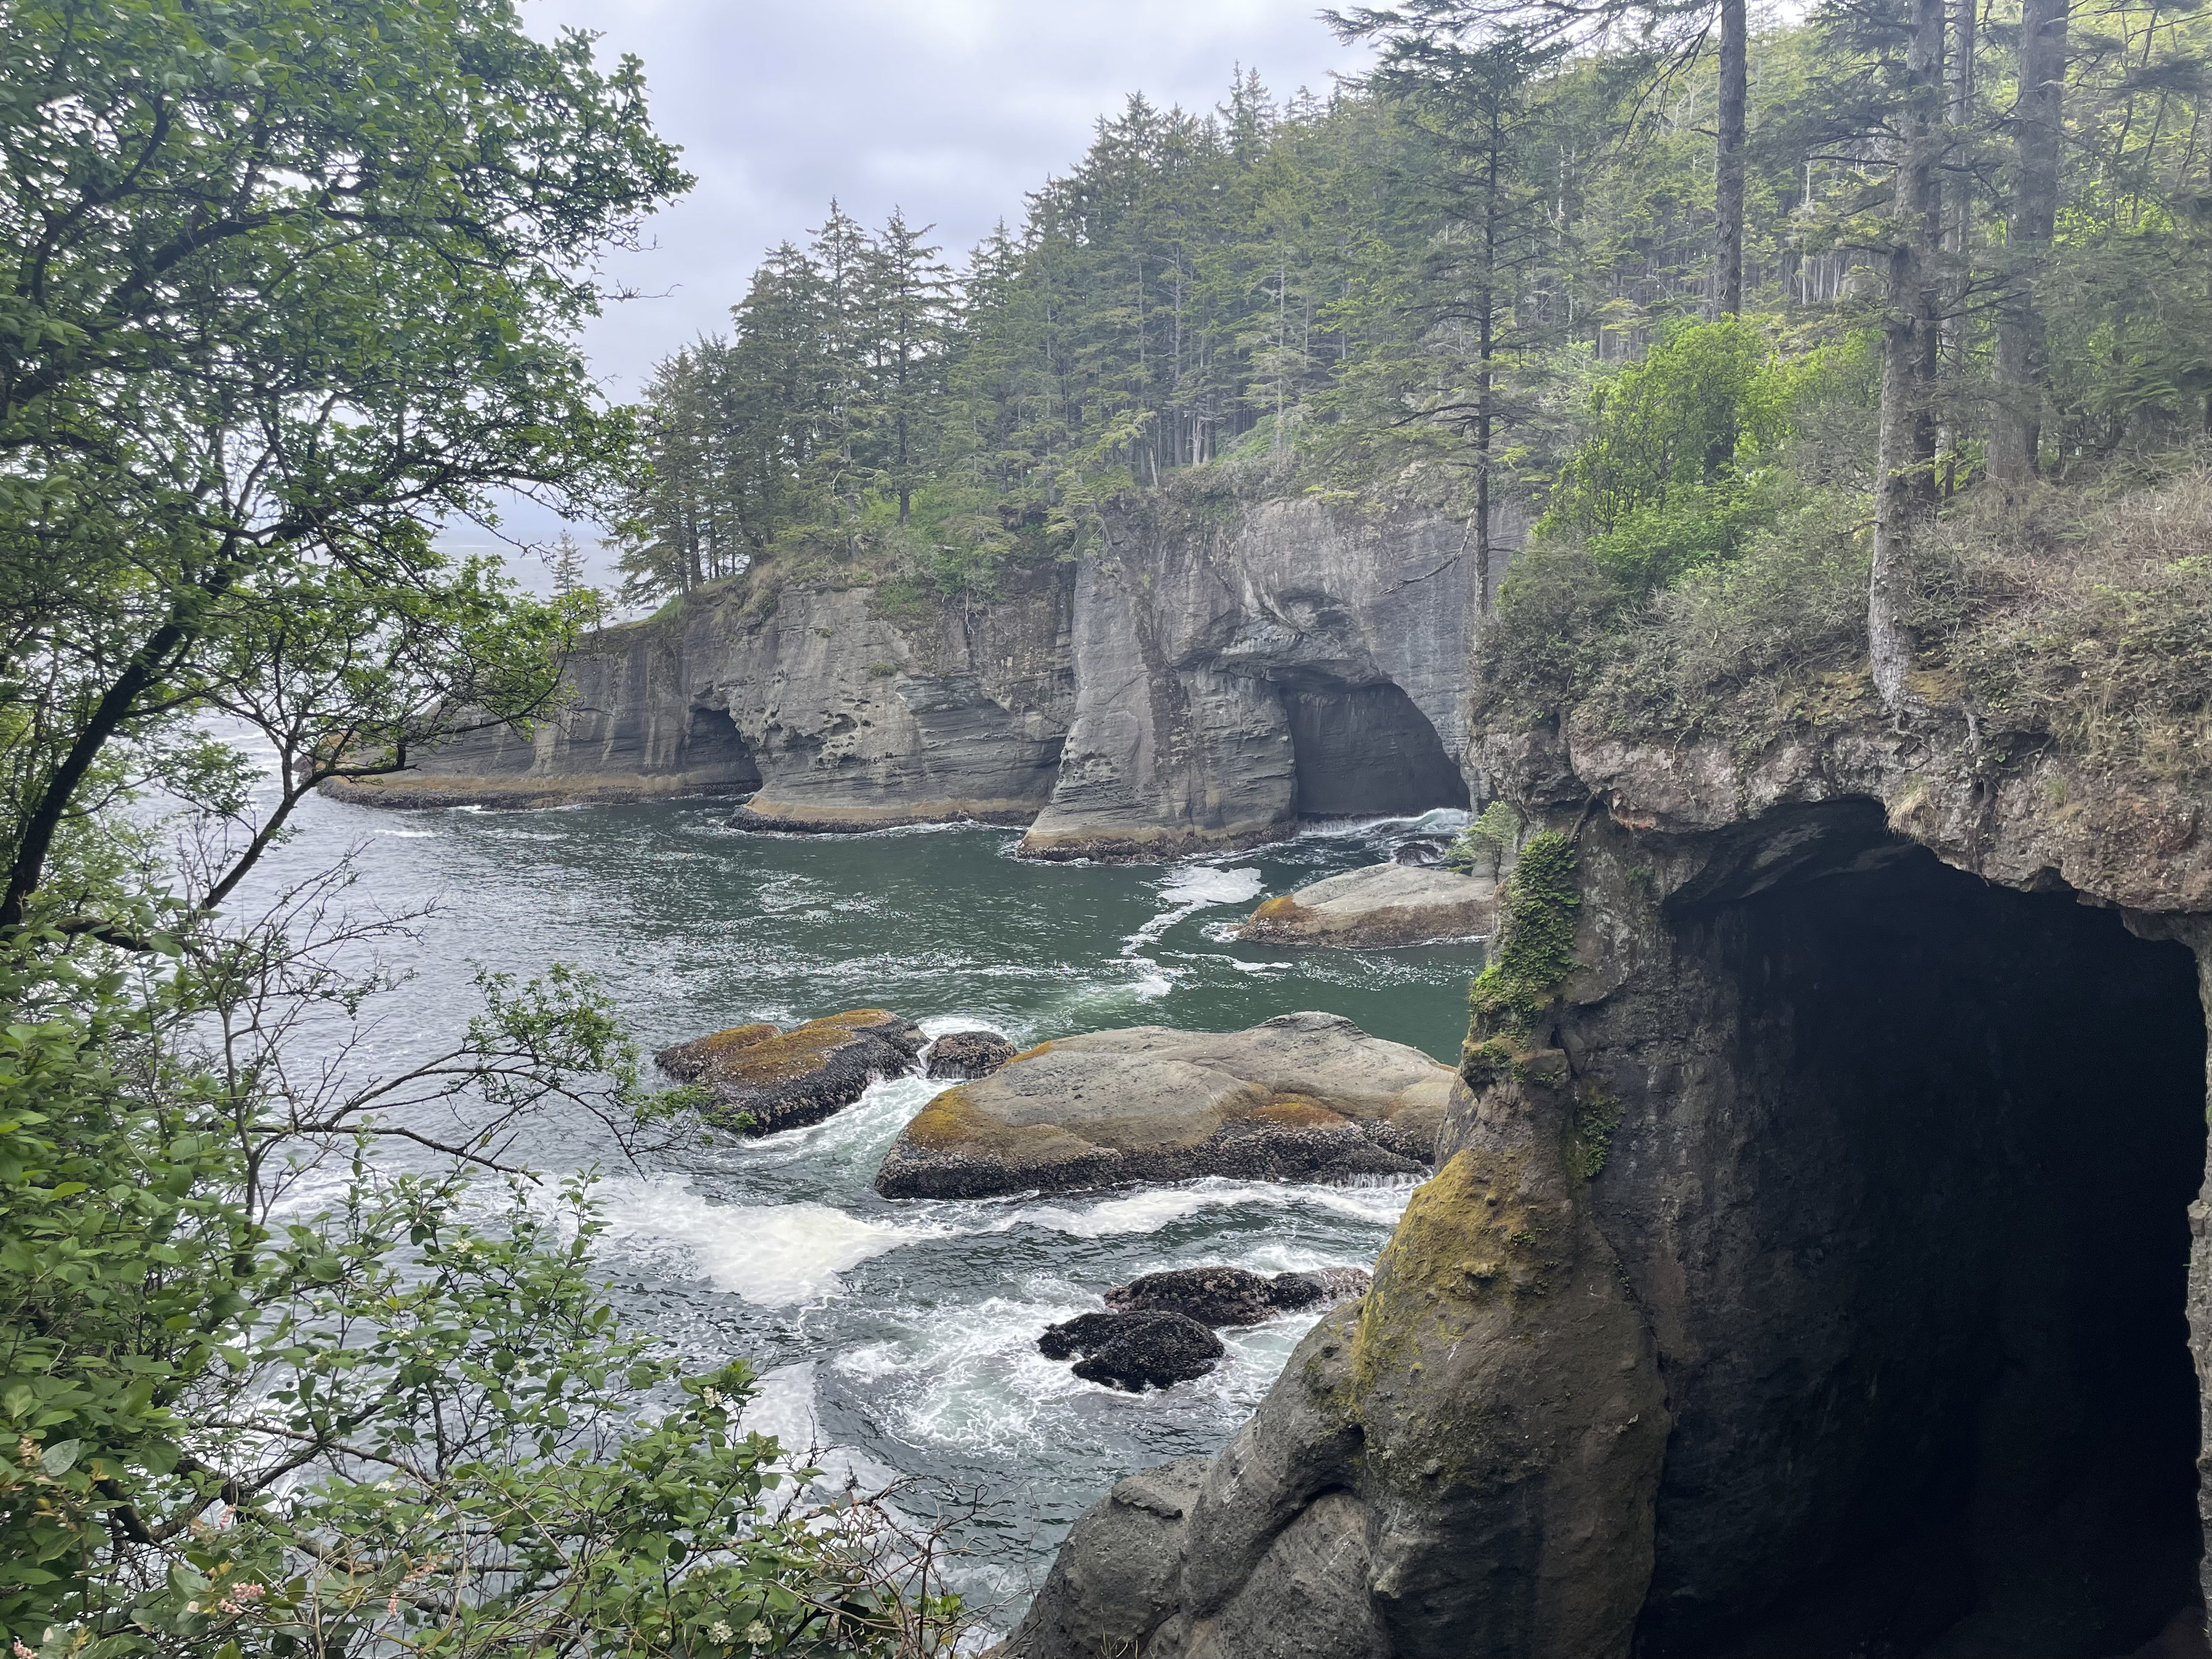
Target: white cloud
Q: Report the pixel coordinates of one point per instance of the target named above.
(951, 109)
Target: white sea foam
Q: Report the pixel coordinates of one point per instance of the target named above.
(775, 1255)
(1187, 890)
(1150, 1208)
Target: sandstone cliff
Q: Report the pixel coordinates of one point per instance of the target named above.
(827, 705)
(1217, 672)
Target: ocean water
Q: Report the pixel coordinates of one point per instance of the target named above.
(898, 1337)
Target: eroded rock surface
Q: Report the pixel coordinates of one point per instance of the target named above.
(1306, 1096)
(763, 1079)
(1232, 1296)
(829, 710)
(1134, 1350)
(1233, 676)
(1818, 1160)
(1382, 906)
(968, 1055)
(1224, 674)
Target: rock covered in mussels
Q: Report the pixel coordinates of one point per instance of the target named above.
(1231, 1296)
(1134, 1351)
(1382, 906)
(1304, 1096)
(763, 1079)
(968, 1055)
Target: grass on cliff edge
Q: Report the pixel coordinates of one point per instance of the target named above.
(2080, 616)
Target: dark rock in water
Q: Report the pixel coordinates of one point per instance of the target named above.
(1421, 854)
(1230, 1295)
(764, 1079)
(1305, 1096)
(968, 1055)
(1322, 1285)
(1212, 1296)
(1134, 1350)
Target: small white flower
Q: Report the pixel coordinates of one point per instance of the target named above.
(759, 1634)
(712, 1396)
(718, 1631)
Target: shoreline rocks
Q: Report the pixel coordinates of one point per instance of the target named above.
(1304, 1097)
(1231, 1296)
(765, 1078)
(968, 1055)
(1381, 907)
(1134, 1351)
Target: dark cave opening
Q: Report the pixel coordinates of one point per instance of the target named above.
(713, 746)
(1941, 1405)
(1367, 750)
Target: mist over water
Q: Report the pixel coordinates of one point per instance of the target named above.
(901, 1334)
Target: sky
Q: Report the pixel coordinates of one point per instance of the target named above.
(949, 109)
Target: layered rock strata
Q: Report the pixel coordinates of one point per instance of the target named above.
(831, 708)
(1813, 1272)
(762, 1079)
(1306, 1096)
(1234, 674)
(1382, 907)
(1223, 669)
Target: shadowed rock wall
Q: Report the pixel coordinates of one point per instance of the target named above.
(1814, 1280)
(1233, 673)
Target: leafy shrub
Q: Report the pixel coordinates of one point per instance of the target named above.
(1533, 949)
(1485, 844)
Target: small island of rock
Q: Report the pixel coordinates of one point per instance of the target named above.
(763, 1079)
(1382, 906)
(1305, 1096)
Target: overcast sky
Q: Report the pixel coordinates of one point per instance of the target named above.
(951, 109)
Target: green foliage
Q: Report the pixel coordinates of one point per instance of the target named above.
(1589, 1134)
(271, 326)
(1487, 842)
(412, 1418)
(1532, 951)
(1667, 478)
(291, 285)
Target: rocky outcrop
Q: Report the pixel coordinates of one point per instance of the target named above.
(1235, 673)
(1231, 1296)
(1862, 1141)
(1306, 1096)
(1226, 670)
(968, 1055)
(763, 1080)
(1134, 1351)
(832, 708)
(1382, 906)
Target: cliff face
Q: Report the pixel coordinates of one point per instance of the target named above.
(828, 712)
(1823, 1272)
(1205, 682)
(1232, 675)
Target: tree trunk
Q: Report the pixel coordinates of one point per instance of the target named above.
(1901, 488)
(2038, 112)
(1958, 235)
(1728, 161)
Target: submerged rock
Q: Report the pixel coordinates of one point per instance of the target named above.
(1230, 1295)
(1420, 854)
(1134, 1351)
(1305, 1096)
(765, 1078)
(968, 1055)
(1382, 906)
